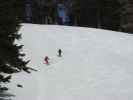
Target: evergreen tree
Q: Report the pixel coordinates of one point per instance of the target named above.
(109, 14)
(11, 59)
(43, 11)
(84, 13)
(126, 16)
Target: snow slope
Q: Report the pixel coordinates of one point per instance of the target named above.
(96, 64)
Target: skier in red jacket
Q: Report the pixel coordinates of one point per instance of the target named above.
(46, 60)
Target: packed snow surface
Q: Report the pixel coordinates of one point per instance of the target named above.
(95, 64)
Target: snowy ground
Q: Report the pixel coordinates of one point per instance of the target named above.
(96, 64)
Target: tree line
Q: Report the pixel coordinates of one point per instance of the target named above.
(107, 14)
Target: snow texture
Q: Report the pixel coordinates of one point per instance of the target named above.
(95, 64)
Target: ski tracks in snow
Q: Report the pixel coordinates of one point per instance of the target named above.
(53, 63)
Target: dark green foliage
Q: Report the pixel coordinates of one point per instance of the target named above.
(109, 14)
(5, 79)
(39, 11)
(126, 16)
(10, 57)
(96, 13)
